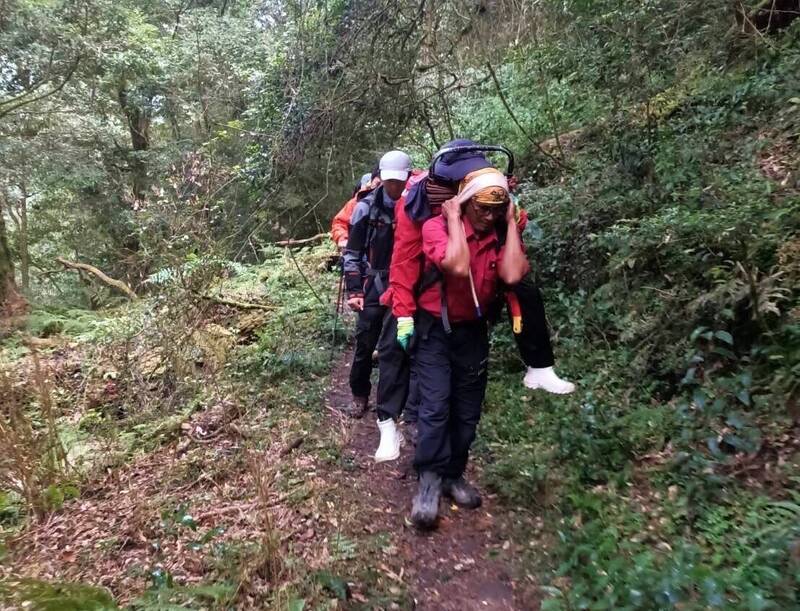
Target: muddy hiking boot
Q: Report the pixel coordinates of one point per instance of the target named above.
(357, 407)
(462, 493)
(425, 508)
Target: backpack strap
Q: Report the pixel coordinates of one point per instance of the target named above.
(378, 277)
(432, 274)
(375, 205)
(376, 209)
(443, 307)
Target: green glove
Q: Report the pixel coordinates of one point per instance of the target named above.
(405, 329)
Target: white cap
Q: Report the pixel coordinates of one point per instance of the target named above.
(365, 180)
(395, 165)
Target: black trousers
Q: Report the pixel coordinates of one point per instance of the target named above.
(393, 371)
(411, 410)
(534, 340)
(397, 386)
(368, 330)
(451, 372)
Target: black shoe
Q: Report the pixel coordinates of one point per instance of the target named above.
(425, 509)
(464, 494)
(357, 408)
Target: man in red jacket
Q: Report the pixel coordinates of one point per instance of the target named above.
(470, 252)
(422, 200)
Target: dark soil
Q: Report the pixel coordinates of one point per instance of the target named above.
(467, 563)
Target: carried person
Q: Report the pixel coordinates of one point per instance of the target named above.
(421, 202)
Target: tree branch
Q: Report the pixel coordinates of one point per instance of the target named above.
(291, 242)
(18, 102)
(518, 124)
(84, 267)
(242, 305)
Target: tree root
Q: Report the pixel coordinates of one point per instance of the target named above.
(242, 305)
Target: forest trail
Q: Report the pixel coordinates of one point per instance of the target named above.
(466, 563)
(326, 504)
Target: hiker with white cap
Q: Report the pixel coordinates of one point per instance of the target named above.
(366, 269)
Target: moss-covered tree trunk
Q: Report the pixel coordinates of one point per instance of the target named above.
(9, 297)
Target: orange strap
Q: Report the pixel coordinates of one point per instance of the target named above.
(516, 311)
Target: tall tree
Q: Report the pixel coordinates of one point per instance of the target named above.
(10, 299)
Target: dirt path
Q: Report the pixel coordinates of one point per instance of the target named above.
(311, 485)
(464, 564)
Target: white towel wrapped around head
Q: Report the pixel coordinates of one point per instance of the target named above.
(484, 180)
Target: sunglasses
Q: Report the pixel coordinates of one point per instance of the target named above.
(493, 211)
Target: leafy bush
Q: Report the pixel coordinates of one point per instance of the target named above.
(666, 243)
(53, 321)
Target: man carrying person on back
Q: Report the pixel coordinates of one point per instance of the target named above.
(367, 256)
(470, 249)
(422, 201)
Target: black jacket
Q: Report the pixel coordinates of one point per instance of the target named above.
(369, 247)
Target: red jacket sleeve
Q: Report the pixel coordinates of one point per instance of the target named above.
(340, 226)
(522, 219)
(407, 261)
(434, 240)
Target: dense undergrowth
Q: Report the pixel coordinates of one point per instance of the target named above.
(117, 387)
(668, 255)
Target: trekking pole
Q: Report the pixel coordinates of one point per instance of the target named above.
(339, 306)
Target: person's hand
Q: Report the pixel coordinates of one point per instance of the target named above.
(405, 329)
(511, 213)
(342, 244)
(451, 209)
(355, 303)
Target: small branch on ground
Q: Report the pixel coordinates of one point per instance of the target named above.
(117, 284)
(242, 305)
(292, 242)
(291, 446)
(305, 279)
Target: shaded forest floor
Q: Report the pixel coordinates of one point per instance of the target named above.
(467, 563)
(211, 468)
(272, 501)
(203, 518)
